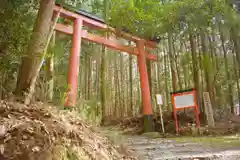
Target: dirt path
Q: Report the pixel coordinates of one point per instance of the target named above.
(148, 148)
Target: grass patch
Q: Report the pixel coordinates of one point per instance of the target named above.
(219, 141)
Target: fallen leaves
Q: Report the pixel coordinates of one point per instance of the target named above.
(38, 131)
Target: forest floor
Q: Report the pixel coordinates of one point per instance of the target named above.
(149, 147)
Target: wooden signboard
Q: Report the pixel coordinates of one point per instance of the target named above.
(182, 100)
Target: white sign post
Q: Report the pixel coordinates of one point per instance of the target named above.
(160, 103)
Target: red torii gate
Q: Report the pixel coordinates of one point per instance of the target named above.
(78, 33)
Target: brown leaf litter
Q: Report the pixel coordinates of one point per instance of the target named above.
(41, 132)
(225, 126)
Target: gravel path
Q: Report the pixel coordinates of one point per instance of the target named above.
(163, 149)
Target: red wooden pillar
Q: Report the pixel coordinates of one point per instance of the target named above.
(73, 67)
(146, 96)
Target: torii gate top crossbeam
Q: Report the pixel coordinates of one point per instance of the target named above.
(99, 25)
(112, 42)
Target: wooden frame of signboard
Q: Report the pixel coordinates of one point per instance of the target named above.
(183, 103)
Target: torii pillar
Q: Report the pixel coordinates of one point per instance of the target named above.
(145, 89)
(74, 63)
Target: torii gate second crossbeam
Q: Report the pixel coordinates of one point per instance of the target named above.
(78, 33)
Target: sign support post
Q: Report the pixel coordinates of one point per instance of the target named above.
(160, 103)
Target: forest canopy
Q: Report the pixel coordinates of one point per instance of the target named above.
(151, 18)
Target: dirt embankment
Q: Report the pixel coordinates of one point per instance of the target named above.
(41, 132)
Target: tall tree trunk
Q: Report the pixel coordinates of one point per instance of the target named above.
(119, 107)
(116, 88)
(148, 62)
(50, 69)
(131, 84)
(121, 59)
(86, 82)
(173, 71)
(103, 82)
(201, 72)
(103, 67)
(89, 88)
(178, 70)
(110, 92)
(166, 75)
(31, 63)
(236, 69)
(234, 37)
(229, 77)
(193, 45)
(97, 80)
(207, 68)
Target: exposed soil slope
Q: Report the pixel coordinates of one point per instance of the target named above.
(41, 132)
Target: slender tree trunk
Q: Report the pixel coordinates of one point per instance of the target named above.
(97, 80)
(131, 84)
(214, 69)
(116, 89)
(235, 39)
(166, 75)
(121, 59)
(173, 72)
(230, 91)
(193, 45)
(178, 70)
(149, 70)
(103, 82)
(50, 69)
(103, 67)
(89, 77)
(207, 68)
(119, 107)
(235, 68)
(234, 36)
(86, 82)
(110, 78)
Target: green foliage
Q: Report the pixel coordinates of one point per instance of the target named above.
(16, 22)
(149, 18)
(90, 111)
